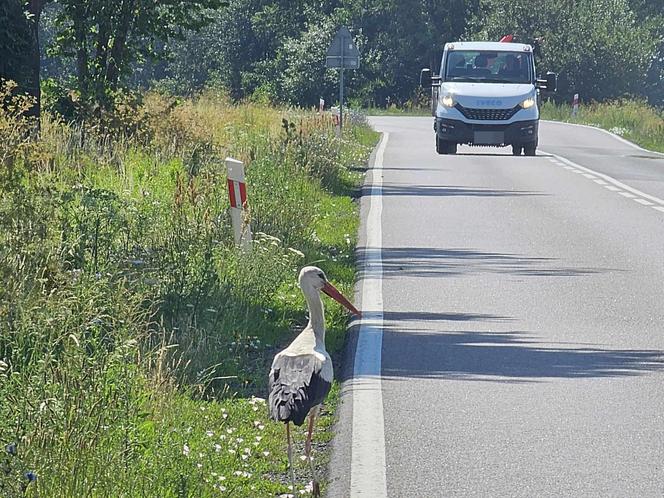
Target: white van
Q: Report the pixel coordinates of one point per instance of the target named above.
(487, 94)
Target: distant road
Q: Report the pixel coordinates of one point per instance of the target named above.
(522, 310)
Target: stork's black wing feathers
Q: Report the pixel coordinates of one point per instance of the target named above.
(296, 386)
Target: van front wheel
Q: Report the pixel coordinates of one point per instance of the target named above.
(530, 149)
(516, 149)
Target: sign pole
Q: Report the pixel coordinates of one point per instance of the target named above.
(342, 54)
(341, 91)
(341, 102)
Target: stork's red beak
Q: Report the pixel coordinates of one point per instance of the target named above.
(332, 291)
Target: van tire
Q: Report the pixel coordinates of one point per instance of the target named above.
(517, 149)
(440, 145)
(530, 149)
(445, 147)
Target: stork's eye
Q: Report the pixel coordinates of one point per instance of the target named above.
(321, 275)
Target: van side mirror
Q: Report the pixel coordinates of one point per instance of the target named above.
(425, 78)
(549, 83)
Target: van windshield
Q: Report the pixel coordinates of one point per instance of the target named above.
(488, 67)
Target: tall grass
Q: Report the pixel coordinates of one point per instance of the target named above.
(631, 119)
(132, 332)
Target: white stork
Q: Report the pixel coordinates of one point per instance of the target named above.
(301, 375)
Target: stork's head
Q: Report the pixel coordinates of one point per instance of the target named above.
(312, 277)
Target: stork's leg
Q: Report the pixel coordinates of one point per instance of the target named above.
(307, 450)
(290, 459)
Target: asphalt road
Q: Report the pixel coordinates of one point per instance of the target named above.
(522, 308)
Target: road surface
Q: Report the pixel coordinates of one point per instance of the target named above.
(519, 303)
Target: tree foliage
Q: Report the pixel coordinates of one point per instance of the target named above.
(105, 37)
(19, 46)
(14, 41)
(275, 49)
(599, 47)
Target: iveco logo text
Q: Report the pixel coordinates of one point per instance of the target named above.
(489, 103)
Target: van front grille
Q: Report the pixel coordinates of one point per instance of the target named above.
(487, 114)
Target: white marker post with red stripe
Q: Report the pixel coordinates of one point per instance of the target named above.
(237, 194)
(575, 104)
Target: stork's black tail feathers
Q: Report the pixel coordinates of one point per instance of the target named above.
(296, 386)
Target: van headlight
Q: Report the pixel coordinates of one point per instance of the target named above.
(528, 103)
(447, 100)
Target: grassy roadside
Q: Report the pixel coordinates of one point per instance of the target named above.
(398, 111)
(636, 121)
(134, 339)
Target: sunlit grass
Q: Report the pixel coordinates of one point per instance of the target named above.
(133, 334)
(633, 120)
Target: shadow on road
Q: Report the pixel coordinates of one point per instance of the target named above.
(409, 190)
(413, 168)
(507, 153)
(504, 357)
(435, 262)
(400, 316)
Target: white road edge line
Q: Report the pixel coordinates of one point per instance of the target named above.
(643, 201)
(367, 468)
(609, 179)
(629, 195)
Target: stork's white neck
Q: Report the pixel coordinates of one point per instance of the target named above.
(316, 312)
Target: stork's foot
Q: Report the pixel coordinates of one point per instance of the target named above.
(315, 491)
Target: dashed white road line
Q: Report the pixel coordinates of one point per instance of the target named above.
(604, 180)
(367, 471)
(611, 180)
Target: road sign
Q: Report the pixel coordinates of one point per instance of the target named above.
(343, 52)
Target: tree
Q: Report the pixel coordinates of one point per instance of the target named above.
(19, 45)
(398, 38)
(598, 47)
(304, 78)
(651, 13)
(104, 37)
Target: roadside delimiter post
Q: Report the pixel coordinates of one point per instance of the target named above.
(237, 194)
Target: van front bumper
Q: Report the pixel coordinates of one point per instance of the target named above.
(517, 133)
